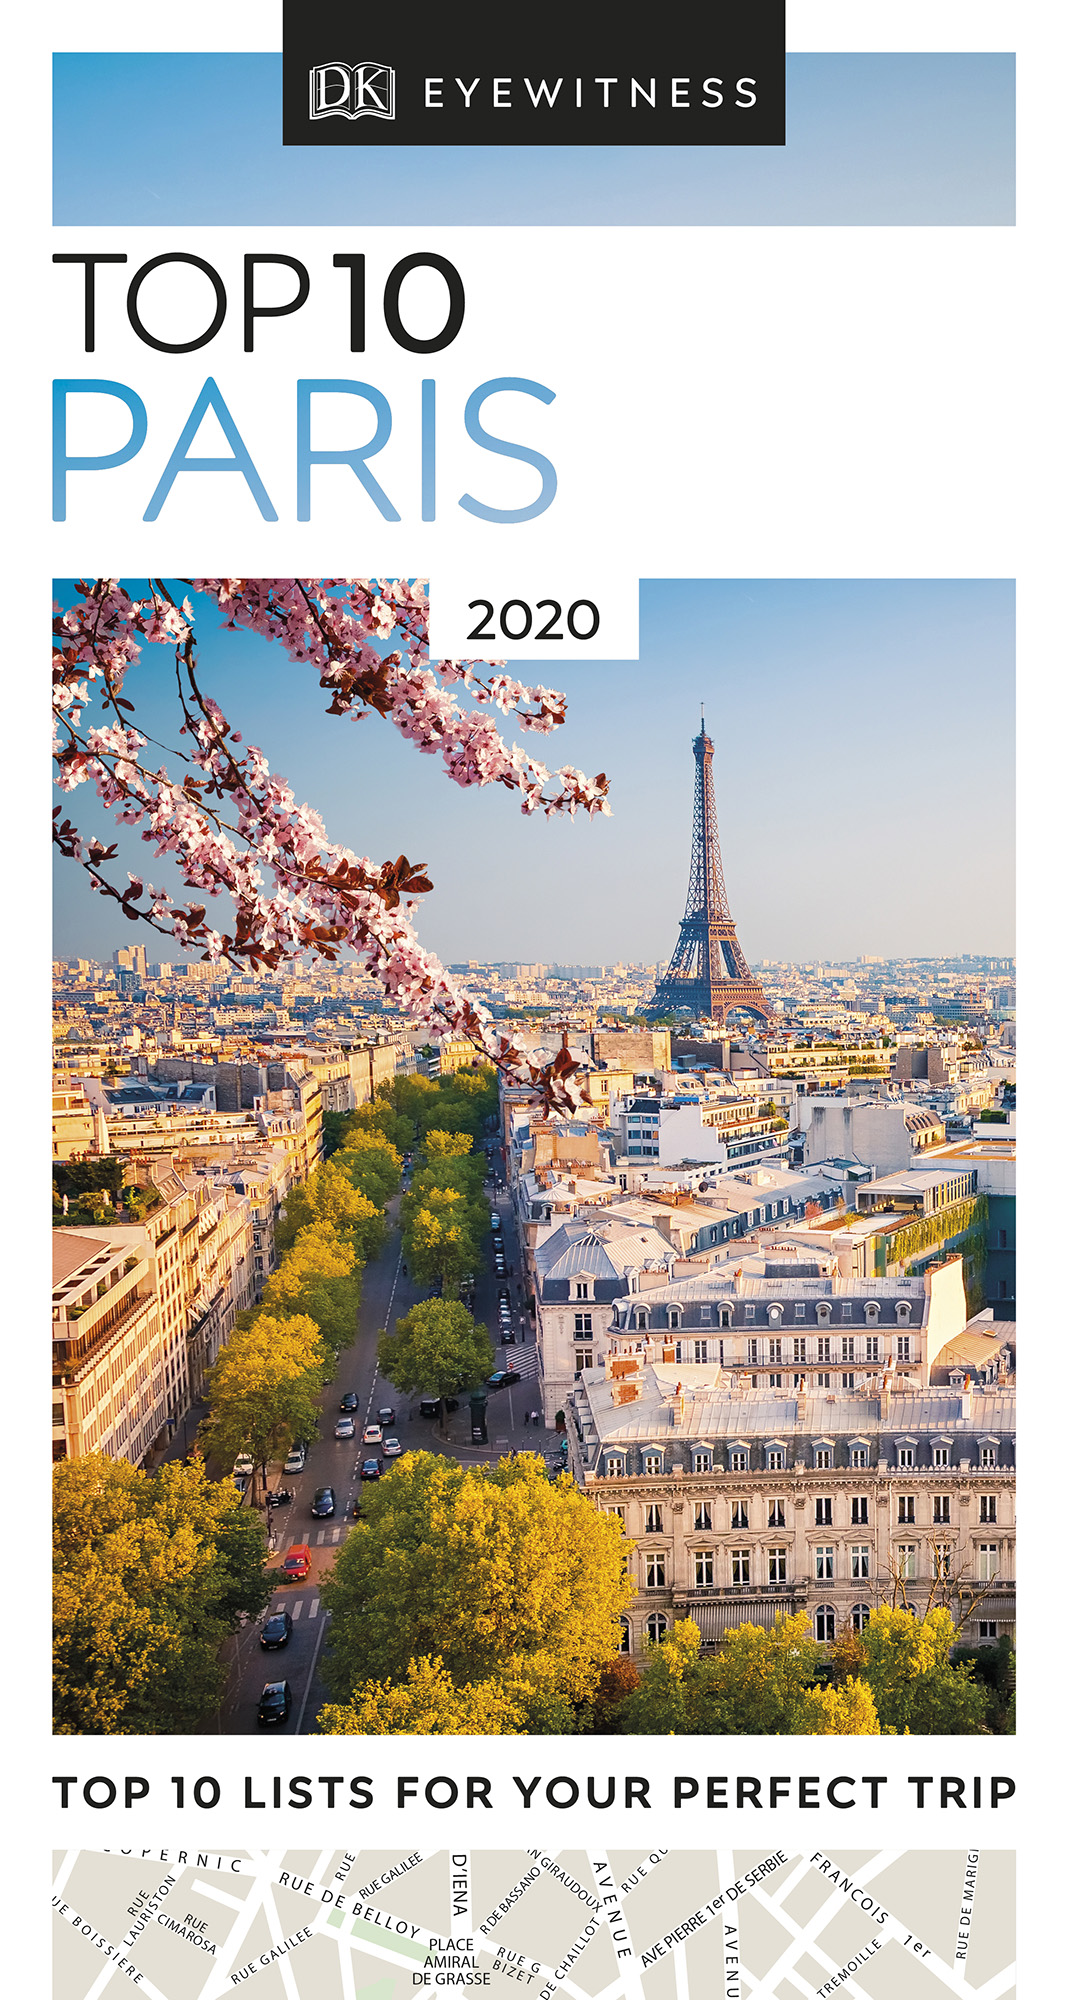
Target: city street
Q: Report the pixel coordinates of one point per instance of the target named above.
(387, 1294)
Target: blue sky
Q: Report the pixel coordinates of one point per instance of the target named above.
(864, 775)
(183, 139)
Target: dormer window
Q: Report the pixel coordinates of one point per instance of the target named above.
(871, 1313)
(674, 1318)
(774, 1315)
(774, 1458)
(904, 1312)
(581, 1289)
(725, 1315)
(641, 1319)
(823, 1315)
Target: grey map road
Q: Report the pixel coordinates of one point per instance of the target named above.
(671, 1924)
(387, 1293)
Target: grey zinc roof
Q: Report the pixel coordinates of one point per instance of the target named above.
(717, 1412)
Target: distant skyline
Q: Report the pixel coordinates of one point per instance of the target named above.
(871, 139)
(863, 770)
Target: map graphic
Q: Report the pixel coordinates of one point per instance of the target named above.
(667, 1924)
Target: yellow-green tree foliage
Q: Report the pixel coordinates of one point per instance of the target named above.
(150, 1573)
(916, 1685)
(496, 1571)
(264, 1389)
(319, 1277)
(328, 1197)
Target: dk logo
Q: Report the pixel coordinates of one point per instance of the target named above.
(352, 90)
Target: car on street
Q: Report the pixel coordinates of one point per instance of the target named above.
(296, 1563)
(277, 1631)
(501, 1378)
(430, 1406)
(243, 1466)
(495, 1220)
(275, 1702)
(373, 1434)
(295, 1461)
(391, 1447)
(386, 1417)
(349, 1401)
(371, 1468)
(345, 1427)
(507, 1336)
(504, 1295)
(323, 1502)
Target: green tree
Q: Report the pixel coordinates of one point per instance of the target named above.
(438, 1240)
(917, 1686)
(761, 1682)
(150, 1573)
(373, 1165)
(497, 1572)
(264, 1389)
(427, 1703)
(318, 1279)
(328, 1196)
(436, 1348)
(446, 1145)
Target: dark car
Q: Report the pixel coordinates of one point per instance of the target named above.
(502, 1377)
(275, 1702)
(278, 1630)
(323, 1502)
(507, 1336)
(504, 1295)
(371, 1468)
(387, 1417)
(431, 1405)
(349, 1401)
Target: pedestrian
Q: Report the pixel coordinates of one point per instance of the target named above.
(534, 1418)
(526, 1417)
(404, 1270)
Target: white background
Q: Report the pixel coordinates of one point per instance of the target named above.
(709, 434)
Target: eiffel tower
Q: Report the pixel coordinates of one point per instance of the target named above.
(708, 973)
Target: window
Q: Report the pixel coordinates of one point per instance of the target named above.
(624, 1636)
(774, 1315)
(583, 1323)
(776, 1565)
(823, 1349)
(739, 1513)
(776, 1513)
(904, 1347)
(871, 1313)
(583, 1359)
(752, 1351)
(674, 1318)
(941, 1509)
(739, 1460)
(942, 1561)
(847, 1309)
(702, 1514)
(582, 1290)
(858, 1457)
(725, 1315)
(849, 1380)
(906, 1455)
(859, 1560)
(750, 1312)
(702, 1568)
(988, 1507)
(825, 1562)
(700, 1350)
(940, 1456)
(906, 1509)
(987, 1627)
(706, 1314)
(847, 1348)
(988, 1561)
(823, 1314)
(799, 1350)
(641, 1319)
(823, 1379)
(739, 1565)
(654, 1463)
(988, 1457)
(654, 1521)
(774, 1459)
(823, 1510)
(614, 1466)
(824, 1623)
(619, 1509)
(775, 1381)
(702, 1461)
(904, 1312)
(906, 1561)
(859, 1616)
(799, 1313)
(775, 1350)
(655, 1628)
(858, 1512)
(871, 1347)
(821, 1458)
(655, 1569)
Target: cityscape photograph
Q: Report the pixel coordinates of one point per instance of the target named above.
(534, 1252)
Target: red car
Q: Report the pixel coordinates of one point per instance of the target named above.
(296, 1563)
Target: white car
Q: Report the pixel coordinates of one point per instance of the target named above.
(373, 1434)
(495, 1220)
(243, 1466)
(391, 1448)
(295, 1461)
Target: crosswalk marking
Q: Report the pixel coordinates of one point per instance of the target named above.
(335, 1534)
(313, 1608)
(297, 1609)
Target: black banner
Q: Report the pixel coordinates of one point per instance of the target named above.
(419, 76)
